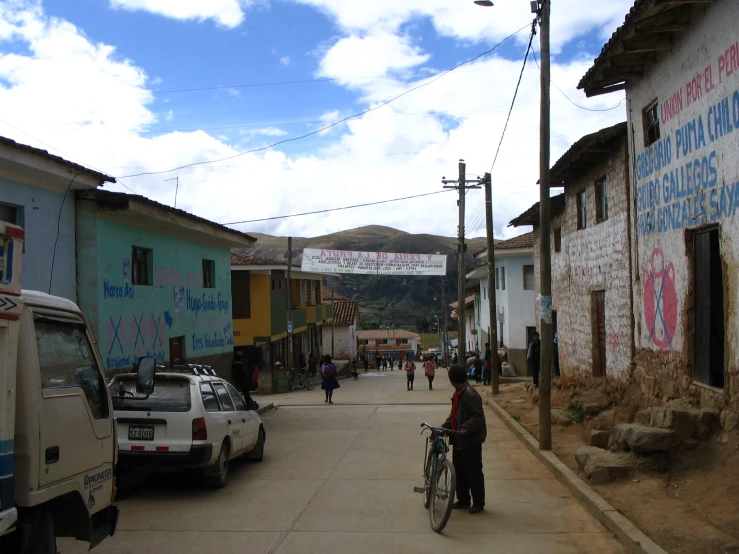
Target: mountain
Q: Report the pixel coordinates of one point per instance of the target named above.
(383, 300)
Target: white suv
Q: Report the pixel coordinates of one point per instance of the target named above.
(191, 420)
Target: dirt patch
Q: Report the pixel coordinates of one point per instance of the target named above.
(692, 508)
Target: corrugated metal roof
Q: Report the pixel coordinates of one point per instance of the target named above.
(10, 143)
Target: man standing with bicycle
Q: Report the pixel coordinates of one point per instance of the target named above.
(468, 431)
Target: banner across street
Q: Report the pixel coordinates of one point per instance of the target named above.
(372, 263)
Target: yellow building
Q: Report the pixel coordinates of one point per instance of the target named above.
(260, 321)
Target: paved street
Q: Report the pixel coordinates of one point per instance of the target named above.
(340, 478)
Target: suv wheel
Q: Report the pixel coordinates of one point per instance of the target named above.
(217, 475)
(257, 455)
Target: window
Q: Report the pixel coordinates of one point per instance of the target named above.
(304, 287)
(209, 274)
(277, 278)
(484, 293)
(210, 402)
(651, 123)
(170, 395)
(385, 341)
(363, 341)
(317, 291)
(497, 278)
(502, 278)
(10, 214)
(582, 219)
(141, 260)
(224, 397)
(241, 294)
(557, 239)
(528, 277)
(66, 360)
(601, 200)
(236, 397)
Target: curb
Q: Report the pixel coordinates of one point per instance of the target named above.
(630, 536)
(266, 408)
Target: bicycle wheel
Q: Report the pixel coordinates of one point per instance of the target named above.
(308, 382)
(291, 382)
(442, 494)
(427, 470)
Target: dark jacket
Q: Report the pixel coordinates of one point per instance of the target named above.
(470, 419)
(240, 376)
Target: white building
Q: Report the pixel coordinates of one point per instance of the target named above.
(397, 343)
(679, 65)
(514, 297)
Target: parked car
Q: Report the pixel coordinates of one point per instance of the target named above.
(191, 420)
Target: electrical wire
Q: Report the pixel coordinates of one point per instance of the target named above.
(337, 209)
(515, 93)
(58, 229)
(570, 99)
(335, 123)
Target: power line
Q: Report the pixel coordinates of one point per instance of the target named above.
(336, 209)
(383, 104)
(515, 93)
(570, 99)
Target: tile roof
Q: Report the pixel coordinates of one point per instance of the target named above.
(468, 300)
(521, 241)
(387, 334)
(326, 295)
(531, 216)
(4, 141)
(587, 151)
(650, 27)
(346, 313)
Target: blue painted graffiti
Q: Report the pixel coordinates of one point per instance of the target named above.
(206, 303)
(114, 291)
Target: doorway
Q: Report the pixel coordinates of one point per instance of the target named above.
(176, 351)
(599, 333)
(709, 308)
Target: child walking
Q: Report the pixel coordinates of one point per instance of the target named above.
(328, 379)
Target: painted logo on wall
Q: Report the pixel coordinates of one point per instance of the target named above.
(660, 300)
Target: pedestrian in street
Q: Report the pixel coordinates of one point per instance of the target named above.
(241, 378)
(312, 365)
(392, 362)
(487, 374)
(455, 359)
(467, 423)
(329, 383)
(477, 362)
(533, 358)
(366, 364)
(410, 369)
(429, 370)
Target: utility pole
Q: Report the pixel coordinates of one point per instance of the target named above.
(177, 188)
(444, 310)
(545, 260)
(461, 186)
(289, 303)
(492, 304)
(333, 319)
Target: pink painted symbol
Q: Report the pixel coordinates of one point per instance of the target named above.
(660, 300)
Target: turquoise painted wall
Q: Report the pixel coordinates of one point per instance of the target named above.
(138, 320)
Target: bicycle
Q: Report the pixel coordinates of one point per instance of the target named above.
(440, 480)
(300, 379)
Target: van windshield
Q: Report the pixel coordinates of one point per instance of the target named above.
(170, 395)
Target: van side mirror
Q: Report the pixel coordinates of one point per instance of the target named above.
(145, 375)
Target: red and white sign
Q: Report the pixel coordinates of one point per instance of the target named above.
(372, 263)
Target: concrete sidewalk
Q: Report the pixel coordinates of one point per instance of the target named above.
(339, 478)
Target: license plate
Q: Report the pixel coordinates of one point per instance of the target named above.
(141, 433)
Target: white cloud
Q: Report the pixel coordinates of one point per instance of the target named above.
(228, 13)
(398, 150)
(285, 61)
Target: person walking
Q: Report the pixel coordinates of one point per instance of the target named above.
(533, 358)
(312, 365)
(392, 361)
(329, 383)
(366, 364)
(477, 362)
(469, 431)
(241, 378)
(429, 369)
(410, 369)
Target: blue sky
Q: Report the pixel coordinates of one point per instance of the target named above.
(88, 76)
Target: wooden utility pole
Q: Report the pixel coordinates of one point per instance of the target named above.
(545, 260)
(289, 303)
(333, 319)
(494, 362)
(460, 263)
(444, 313)
(461, 185)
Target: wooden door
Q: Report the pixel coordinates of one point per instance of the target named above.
(599, 332)
(709, 309)
(176, 351)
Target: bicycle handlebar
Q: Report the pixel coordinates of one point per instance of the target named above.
(439, 430)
